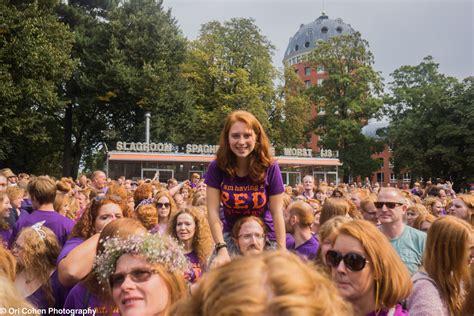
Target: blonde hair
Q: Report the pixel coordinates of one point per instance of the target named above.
(328, 229)
(468, 200)
(258, 285)
(147, 214)
(418, 209)
(391, 277)
(3, 221)
(11, 299)
(445, 259)
(15, 192)
(7, 264)
(429, 201)
(42, 189)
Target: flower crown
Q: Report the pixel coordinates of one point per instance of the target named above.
(154, 248)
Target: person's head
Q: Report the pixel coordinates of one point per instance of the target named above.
(413, 212)
(165, 205)
(243, 137)
(368, 210)
(143, 273)
(424, 221)
(99, 180)
(433, 205)
(143, 192)
(298, 216)
(16, 195)
(147, 214)
(364, 266)
(463, 207)
(3, 183)
(391, 206)
(260, 286)
(4, 206)
(101, 211)
(327, 234)
(82, 181)
(308, 183)
(199, 199)
(179, 200)
(42, 190)
(36, 249)
(171, 183)
(185, 191)
(334, 207)
(7, 264)
(190, 225)
(201, 186)
(249, 235)
(449, 247)
(64, 186)
(195, 177)
(11, 177)
(321, 195)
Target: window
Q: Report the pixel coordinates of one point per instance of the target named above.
(320, 82)
(320, 69)
(380, 161)
(393, 177)
(324, 29)
(307, 83)
(307, 71)
(296, 47)
(339, 29)
(380, 177)
(306, 44)
(407, 176)
(391, 163)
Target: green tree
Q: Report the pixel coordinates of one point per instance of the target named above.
(130, 58)
(432, 123)
(228, 67)
(291, 113)
(346, 100)
(34, 59)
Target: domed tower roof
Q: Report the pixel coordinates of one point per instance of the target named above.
(306, 38)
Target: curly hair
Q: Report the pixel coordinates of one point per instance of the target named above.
(85, 226)
(147, 214)
(429, 201)
(202, 240)
(144, 191)
(260, 158)
(7, 264)
(38, 256)
(259, 286)
(120, 194)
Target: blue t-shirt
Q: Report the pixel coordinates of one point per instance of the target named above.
(240, 196)
(410, 247)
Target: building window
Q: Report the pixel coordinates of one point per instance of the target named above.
(320, 82)
(391, 163)
(296, 47)
(307, 83)
(320, 69)
(380, 177)
(339, 29)
(306, 44)
(380, 160)
(393, 177)
(324, 29)
(406, 176)
(307, 71)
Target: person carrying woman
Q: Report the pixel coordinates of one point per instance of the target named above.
(143, 274)
(246, 180)
(440, 286)
(367, 271)
(191, 229)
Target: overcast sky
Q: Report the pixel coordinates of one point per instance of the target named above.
(400, 32)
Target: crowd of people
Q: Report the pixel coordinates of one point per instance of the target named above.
(235, 242)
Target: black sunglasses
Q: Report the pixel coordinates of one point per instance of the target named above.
(390, 205)
(137, 275)
(353, 261)
(161, 205)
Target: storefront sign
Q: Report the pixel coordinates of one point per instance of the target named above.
(201, 149)
(297, 152)
(167, 148)
(328, 153)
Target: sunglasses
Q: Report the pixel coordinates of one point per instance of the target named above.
(390, 205)
(353, 261)
(161, 205)
(137, 275)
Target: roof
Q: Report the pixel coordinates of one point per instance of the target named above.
(323, 28)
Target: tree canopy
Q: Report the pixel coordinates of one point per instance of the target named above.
(432, 123)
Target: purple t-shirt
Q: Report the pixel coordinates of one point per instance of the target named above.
(60, 225)
(399, 311)
(5, 235)
(195, 274)
(306, 250)
(68, 247)
(240, 196)
(81, 298)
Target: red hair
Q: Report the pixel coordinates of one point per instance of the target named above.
(260, 158)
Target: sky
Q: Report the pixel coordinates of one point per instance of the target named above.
(399, 32)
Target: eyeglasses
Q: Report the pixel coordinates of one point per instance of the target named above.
(353, 261)
(250, 236)
(161, 205)
(137, 275)
(389, 205)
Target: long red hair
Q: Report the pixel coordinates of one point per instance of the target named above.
(260, 158)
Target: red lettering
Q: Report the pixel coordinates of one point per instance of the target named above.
(225, 198)
(255, 199)
(240, 199)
